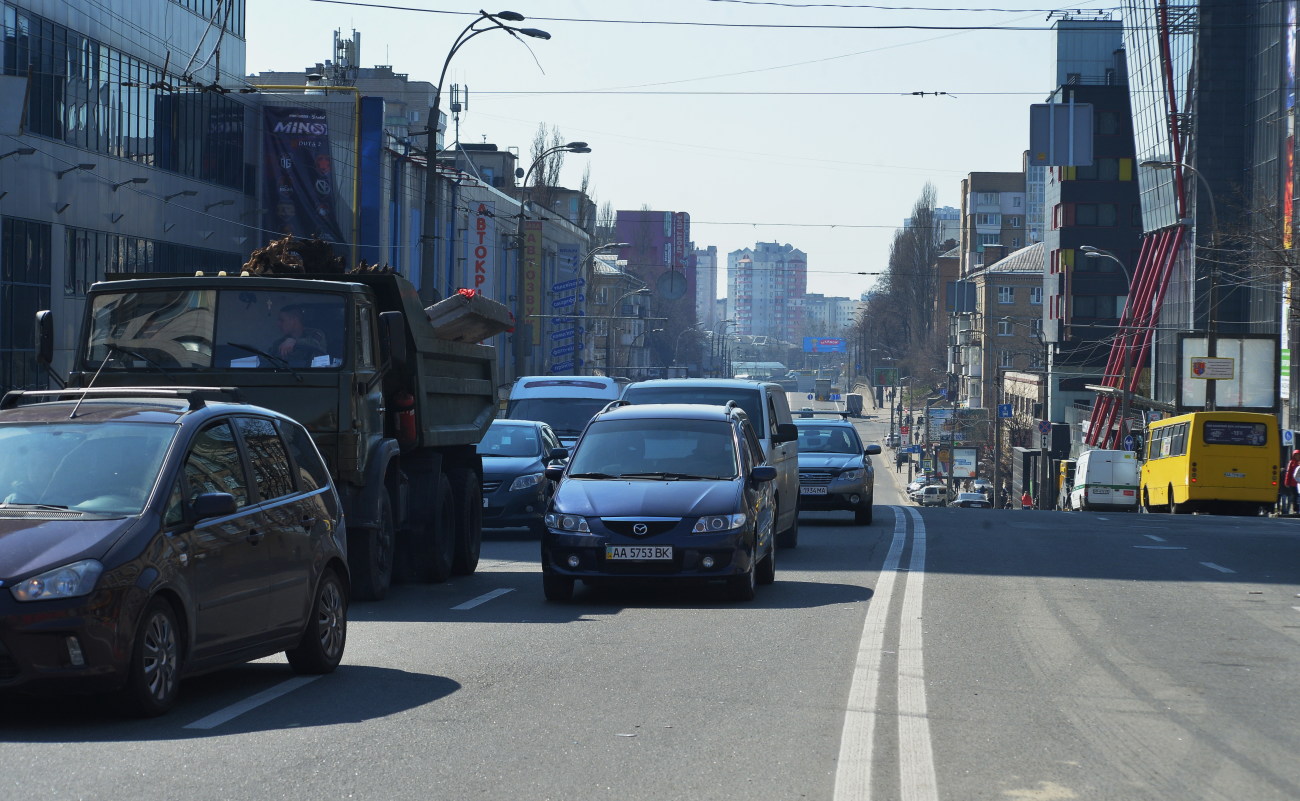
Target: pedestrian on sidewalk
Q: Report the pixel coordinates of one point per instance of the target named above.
(1026, 501)
(1289, 502)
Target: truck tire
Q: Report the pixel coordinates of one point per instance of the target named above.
(441, 534)
(467, 493)
(370, 555)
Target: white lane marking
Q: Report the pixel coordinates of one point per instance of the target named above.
(1219, 568)
(482, 599)
(917, 780)
(853, 769)
(1154, 537)
(1161, 547)
(252, 702)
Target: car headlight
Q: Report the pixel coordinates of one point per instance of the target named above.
(713, 523)
(524, 482)
(575, 523)
(851, 475)
(68, 581)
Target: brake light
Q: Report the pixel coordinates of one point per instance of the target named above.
(1193, 476)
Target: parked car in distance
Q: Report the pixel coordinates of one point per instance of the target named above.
(982, 485)
(515, 488)
(835, 470)
(933, 495)
(893, 440)
(769, 413)
(151, 534)
(972, 500)
(672, 492)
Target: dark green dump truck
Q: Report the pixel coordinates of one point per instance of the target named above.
(395, 410)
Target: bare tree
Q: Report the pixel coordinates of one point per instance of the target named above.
(546, 167)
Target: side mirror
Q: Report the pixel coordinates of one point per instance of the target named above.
(785, 432)
(213, 504)
(392, 337)
(764, 472)
(554, 473)
(44, 337)
(556, 454)
(872, 450)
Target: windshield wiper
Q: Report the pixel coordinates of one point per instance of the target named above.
(673, 476)
(275, 360)
(45, 506)
(113, 347)
(592, 475)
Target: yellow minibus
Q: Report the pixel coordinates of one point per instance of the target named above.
(1219, 461)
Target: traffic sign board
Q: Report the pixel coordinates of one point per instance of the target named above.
(1128, 442)
(1044, 427)
(1004, 410)
(1288, 436)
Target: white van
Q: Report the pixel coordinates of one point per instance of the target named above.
(769, 412)
(1105, 479)
(565, 403)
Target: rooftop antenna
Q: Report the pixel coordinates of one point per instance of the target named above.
(459, 102)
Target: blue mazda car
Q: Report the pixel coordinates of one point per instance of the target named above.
(662, 491)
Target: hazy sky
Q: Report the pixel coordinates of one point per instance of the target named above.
(790, 133)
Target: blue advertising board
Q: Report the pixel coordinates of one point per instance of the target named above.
(824, 345)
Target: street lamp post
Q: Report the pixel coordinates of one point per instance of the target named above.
(611, 352)
(429, 235)
(586, 284)
(719, 345)
(1211, 325)
(529, 261)
(1125, 399)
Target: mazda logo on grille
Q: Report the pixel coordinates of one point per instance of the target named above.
(640, 529)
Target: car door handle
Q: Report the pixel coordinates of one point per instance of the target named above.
(307, 523)
(254, 537)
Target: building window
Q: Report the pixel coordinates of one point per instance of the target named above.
(25, 266)
(1014, 222)
(1036, 295)
(988, 239)
(1015, 242)
(1016, 201)
(1004, 328)
(1005, 358)
(1102, 215)
(988, 219)
(986, 198)
(1006, 294)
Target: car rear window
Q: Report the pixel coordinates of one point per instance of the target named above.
(751, 400)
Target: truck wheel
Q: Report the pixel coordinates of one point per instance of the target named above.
(442, 533)
(370, 555)
(468, 495)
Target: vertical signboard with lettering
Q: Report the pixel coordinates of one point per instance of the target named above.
(299, 185)
(481, 237)
(532, 266)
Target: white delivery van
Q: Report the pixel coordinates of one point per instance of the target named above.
(565, 403)
(1106, 480)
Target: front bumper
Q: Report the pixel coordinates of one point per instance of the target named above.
(731, 552)
(837, 497)
(505, 509)
(36, 654)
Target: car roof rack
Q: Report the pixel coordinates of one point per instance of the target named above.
(614, 404)
(196, 396)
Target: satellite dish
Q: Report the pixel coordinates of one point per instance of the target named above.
(671, 285)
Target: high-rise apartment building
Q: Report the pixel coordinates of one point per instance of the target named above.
(765, 289)
(993, 213)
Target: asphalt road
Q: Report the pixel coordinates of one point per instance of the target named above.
(936, 654)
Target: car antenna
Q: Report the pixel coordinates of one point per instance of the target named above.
(112, 348)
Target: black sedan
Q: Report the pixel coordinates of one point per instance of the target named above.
(515, 488)
(972, 500)
(146, 538)
(669, 492)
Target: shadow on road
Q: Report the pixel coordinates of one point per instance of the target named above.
(352, 694)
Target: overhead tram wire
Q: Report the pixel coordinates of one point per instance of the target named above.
(793, 27)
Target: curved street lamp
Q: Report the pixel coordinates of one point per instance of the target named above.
(611, 352)
(429, 238)
(585, 284)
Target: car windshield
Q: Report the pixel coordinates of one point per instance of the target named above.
(160, 330)
(106, 468)
(751, 400)
(828, 439)
(508, 440)
(673, 448)
(567, 416)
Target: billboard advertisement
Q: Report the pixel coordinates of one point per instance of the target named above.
(481, 237)
(824, 345)
(299, 183)
(532, 282)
